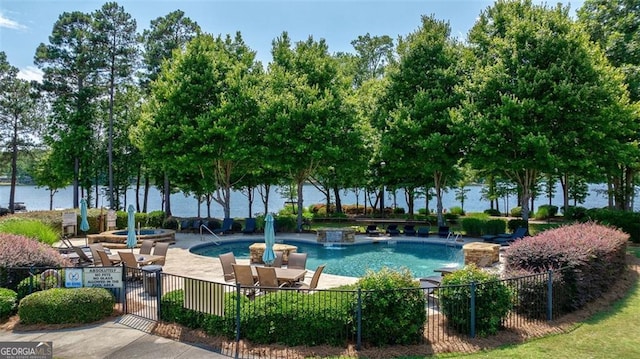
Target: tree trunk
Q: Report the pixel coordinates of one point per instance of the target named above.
(336, 194)
(167, 196)
(439, 183)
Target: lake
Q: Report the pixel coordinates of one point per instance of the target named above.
(187, 206)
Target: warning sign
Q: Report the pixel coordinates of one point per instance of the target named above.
(103, 277)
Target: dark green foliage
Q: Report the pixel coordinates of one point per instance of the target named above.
(591, 258)
(285, 223)
(398, 210)
(155, 219)
(628, 222)
(575, 213)
(8, 301)
(170, 223)
(392, 308)
(472, 226)
(173, 310)
(38, 282)
(495, 226)
(59, 305)
(514, 224)
(516, 211)
(492, 298)
(493, 212)
(458, 211)
(546, 211)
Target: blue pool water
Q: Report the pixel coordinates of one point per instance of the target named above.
(355, 260)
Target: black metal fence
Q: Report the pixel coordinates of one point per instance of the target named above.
(276, 321)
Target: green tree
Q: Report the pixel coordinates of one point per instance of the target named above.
(417, 108)
(540, 97)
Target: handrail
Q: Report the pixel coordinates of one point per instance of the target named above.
(208, 230)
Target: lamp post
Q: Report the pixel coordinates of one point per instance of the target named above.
(382, 164)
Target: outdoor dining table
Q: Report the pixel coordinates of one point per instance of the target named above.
(141, 259)
(284, 275)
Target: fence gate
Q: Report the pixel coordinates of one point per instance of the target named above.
(142, 294)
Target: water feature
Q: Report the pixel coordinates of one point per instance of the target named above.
(355, 259)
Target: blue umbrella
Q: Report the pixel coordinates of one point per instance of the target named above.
(131, 227)
(268, 257)
(84, 223)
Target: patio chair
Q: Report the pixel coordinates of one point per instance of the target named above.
(277, 263)
(105, 260)
(94, 248)
(83, 259)
(409, 230)
(392, 230)
(227, 226)
(372, 230)
(249, 226)
(243, 276)
(314, 280)
(131, 265)
(161, 249)
(297, 261)
(227, 260)
(507, 239)
(423, 231)
(267, 279)
(145, 247)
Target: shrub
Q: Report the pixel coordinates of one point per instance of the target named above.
(546, 211)
(592, 255)
(170, 223)
(458, 211)
(49, 278)
(628, 222)
(155, 219)
(492, 298)
(18, 251)
(516, 211)
(392, 308)
(495, 226)
(398, 210)
(472, 226)
(493, 212)
(575, 213)
(8, 301)
(59, 305)
(30, 228)
(514, 224)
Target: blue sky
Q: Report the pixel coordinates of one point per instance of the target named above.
(24, 24)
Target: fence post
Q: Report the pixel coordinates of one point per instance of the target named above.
(359, 321)
(159, 292)
(550, 295)
(238, 294)
(472, 322)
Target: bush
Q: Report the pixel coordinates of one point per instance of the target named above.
(18, 251)
(493, 212)
(49, 278)
(546, 211)
(575, 213)
(392, 308)
(593, 257)
(155, 219)
(492, 298)
(30, 228)
(458, 211)
(516, 211)
(8, 301)
(170, 223)
(472, 226)
(628, 222)
(495, 227)
(514, 224)
(59, 305)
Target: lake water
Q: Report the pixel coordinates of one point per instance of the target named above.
(187, 206)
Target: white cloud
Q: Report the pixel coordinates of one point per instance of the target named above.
(10, 24)
(30, 73)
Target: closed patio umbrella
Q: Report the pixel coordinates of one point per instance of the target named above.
(131, 228)
(268, 257)
(84, 222)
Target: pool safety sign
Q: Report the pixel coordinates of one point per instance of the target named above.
(73, 278)
(103, 277)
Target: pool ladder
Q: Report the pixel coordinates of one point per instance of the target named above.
(208, 230)
(452, 239)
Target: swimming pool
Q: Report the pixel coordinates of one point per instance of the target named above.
(354, 260)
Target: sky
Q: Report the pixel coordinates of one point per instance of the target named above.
(24, 24)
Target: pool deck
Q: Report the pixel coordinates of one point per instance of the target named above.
(181, 261)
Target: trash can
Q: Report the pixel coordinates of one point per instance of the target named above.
(149, 274)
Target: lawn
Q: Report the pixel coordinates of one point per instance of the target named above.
(613, 333)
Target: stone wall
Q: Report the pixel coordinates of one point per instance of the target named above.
(481, 254)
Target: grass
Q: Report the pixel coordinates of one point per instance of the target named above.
(612, 333)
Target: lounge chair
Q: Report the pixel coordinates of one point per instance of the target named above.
(185, 225)
(314, 280)
(105, 260)
(443, 231)
(409, 230)
(227, 226)
(268, 280)
(145, 247)
(249, 226)
(95, 247)
(297, 261)
(507, 239)
(372, 230)
(423, 231)
(227, 260)
(161, 249)
(83, 259)
(243, 276)
(392, 230)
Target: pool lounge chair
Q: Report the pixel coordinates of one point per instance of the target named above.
(372, 230)
(507, 239)
(227, 226)
(83, 258)
(409, 230)
(392, 230)
(249, 226)
(423, 231)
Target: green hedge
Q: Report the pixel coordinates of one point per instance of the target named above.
(472, 226)
(628, 222)
(495, 226)
(61, 305)
(8, 302)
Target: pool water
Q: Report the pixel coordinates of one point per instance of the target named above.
(354, 260)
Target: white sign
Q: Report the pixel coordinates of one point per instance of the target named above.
(103, 277)
(73, 277)
(111, 219)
